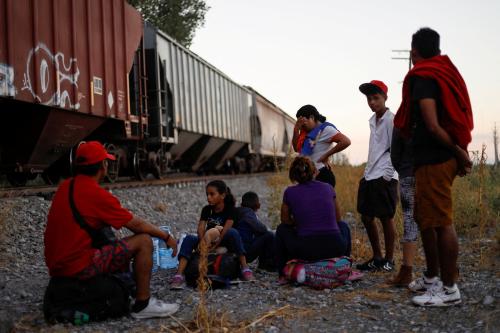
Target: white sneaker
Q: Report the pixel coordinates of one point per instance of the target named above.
(424, 283)
(444, 296)
(156, 308)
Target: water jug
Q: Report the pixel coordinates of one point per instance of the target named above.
(165, 253)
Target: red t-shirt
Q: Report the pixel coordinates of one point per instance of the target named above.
(68, 248)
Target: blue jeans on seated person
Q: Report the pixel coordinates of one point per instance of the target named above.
(289, 245)
(231, 240)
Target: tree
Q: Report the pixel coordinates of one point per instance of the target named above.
(178, 18)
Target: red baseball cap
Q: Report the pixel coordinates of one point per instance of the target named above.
(92, 152)
(373, 87)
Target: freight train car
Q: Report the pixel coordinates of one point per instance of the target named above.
(92, 70)
(64, 74)
(195, 109)
(272, 132)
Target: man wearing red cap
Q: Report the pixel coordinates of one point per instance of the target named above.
(378, 193)
(69, 247)
(436, 113)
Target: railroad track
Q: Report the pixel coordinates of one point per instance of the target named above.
(14, 192)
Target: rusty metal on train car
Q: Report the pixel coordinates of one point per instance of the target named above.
(64, 71)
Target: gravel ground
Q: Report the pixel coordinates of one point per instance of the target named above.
(366, 306)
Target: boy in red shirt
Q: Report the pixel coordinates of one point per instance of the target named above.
(68, 247)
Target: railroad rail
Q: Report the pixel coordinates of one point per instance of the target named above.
(15, 192)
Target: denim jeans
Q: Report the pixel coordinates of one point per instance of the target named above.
(262, 247)
(231, 240)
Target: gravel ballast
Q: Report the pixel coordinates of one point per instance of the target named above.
(366, 306)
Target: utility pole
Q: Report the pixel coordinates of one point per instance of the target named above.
(407, 58)
(495, 145)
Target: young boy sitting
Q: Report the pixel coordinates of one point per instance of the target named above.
(378, 189)
(257, 240)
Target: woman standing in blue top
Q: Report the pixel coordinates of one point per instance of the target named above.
(313, 137)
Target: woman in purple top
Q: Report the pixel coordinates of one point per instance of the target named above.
(310, 226)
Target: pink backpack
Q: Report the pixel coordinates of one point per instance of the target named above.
(322, 274)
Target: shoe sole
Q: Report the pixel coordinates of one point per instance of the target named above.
(162, 315)
(177, 288)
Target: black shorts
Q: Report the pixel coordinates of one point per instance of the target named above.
(377, 197)
(326, 175)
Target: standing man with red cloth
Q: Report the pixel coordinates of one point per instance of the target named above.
(437, 114)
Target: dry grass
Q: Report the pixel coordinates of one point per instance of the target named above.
(476, 210)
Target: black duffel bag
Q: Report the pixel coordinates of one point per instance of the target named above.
(78, 301)
(222, 268)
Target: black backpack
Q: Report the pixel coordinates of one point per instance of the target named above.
(222, 268)
(77, 301)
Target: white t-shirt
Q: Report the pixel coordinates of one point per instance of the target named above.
(379, 152)
(323, 144)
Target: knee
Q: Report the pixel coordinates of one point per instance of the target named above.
(232, 233)
(144, 242)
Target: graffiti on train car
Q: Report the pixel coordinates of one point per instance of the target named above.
(7, 87)
(53, 87)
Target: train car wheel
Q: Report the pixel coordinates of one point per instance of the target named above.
(113, 166)
(141, 164)
(154, 163)
(163, 160)
(17, 179)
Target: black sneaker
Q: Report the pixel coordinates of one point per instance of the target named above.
(370, 265)
(386, 265)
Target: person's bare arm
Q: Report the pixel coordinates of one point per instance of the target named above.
(286, 217)
(342, 142)
(338, 213)
(139, 226)
(202, 228)
(429, 114)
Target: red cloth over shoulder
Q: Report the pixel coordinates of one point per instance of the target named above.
(457, 119)
(300, 140)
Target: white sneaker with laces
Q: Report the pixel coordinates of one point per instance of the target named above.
(424, 283)
(444, 296)
(156, 308)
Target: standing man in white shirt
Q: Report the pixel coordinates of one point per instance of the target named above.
(378, 189)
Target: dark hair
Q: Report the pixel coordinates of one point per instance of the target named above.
(222, 188)
(88, 170)
(250, 200)
(308, 111)
(302, 170)
(426, 42)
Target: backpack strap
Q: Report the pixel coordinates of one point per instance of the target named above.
(78, 217)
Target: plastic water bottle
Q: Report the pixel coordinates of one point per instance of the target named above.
(156, 254)
(165, 254)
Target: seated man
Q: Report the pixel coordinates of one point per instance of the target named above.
(257, 240)
(68, 247)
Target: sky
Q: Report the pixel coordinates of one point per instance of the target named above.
(319, 51)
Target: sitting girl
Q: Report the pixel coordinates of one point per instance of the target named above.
(310, 226)
(218, 213)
